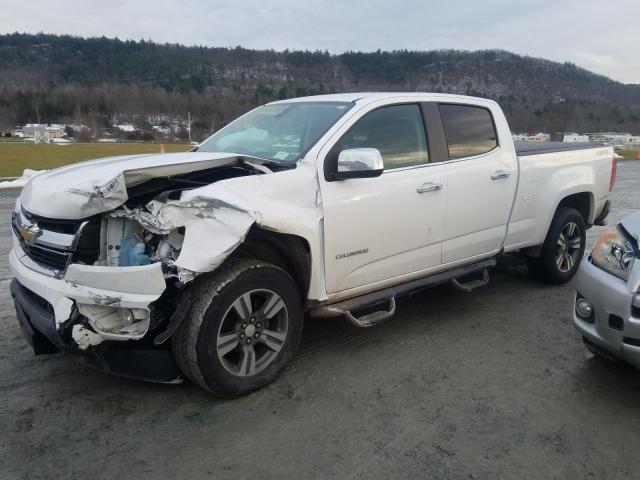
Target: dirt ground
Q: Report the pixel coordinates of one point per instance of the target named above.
(488, 385)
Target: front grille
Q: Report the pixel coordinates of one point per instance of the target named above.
(54, 244)
(47, 257)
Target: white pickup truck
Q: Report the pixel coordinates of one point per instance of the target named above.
(204, 263)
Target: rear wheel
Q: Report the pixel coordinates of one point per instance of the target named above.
(242, 329)
(563, 248)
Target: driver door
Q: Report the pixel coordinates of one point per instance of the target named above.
(378, 230)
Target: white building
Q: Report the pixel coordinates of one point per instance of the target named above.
(520, 137)
(41, 129)
(162, 130)
(540, 137)
(575, 137)
(610, 138)
(126, 127)
(42, 133)
(633, 143)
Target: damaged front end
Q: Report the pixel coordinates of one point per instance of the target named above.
(122, 275)
(187, 236)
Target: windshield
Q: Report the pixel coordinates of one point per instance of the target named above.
(283, 132)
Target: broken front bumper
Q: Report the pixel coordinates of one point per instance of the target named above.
(47, 309)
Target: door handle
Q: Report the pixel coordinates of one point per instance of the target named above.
(429, 187)
(498, 174)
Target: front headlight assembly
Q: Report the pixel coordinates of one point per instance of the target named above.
(615, 253)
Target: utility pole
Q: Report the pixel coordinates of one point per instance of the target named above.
(189, 125)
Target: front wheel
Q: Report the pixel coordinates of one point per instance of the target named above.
(563, 248)
(242, 329)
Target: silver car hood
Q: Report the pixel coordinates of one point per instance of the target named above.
(88, 188)
(632, 225)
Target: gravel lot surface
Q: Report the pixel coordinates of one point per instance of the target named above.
(492, 384)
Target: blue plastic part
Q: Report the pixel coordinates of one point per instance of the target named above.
(132, 252)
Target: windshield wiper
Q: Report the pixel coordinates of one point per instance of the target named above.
(260, 166)
(266, 162)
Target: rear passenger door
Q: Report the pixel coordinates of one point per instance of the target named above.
(482, 180)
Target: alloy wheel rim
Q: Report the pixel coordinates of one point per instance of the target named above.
(568, 247)
(252, 332)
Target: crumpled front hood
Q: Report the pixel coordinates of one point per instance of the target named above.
(88, 188)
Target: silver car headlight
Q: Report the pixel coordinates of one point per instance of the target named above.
(615, 253)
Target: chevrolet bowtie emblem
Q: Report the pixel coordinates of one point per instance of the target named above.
(30, 233)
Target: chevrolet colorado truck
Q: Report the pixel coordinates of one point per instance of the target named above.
(204, 264)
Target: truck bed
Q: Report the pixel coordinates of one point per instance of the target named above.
(537, 148)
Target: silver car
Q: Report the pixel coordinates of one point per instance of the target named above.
(607, 302)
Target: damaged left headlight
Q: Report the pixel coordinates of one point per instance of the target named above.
(615, 253)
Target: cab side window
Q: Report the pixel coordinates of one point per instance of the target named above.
(397, 131)
(470, 131)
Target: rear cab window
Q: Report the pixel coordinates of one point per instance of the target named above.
(469, 130)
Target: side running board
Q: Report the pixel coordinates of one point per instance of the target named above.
(373, 318)
(471, 284)
(345, 308)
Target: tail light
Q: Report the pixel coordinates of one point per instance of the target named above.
(614, 169)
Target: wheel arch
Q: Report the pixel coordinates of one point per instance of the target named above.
(583, 202)
(289, 252)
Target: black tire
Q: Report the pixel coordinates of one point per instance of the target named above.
(198, 342)
(546, 267)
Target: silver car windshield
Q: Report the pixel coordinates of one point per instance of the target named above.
(282, 132)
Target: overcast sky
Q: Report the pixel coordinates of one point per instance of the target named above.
(602, 36)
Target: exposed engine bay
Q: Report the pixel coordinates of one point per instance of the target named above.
(145, 230)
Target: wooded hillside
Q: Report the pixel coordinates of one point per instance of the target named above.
(99, 81)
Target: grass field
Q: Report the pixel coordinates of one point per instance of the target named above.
(15, 157)
(629, 154)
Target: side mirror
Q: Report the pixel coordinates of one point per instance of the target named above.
(359, 163)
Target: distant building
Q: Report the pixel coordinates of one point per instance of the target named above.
(56, 130)
(539, 137)
(126, 127)
(633, 143)
(162, 130)
(520, 137)
(575, 137)
(610, 138)
(78, 127)
(33, 130)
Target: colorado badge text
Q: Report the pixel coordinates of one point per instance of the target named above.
(351, 254)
